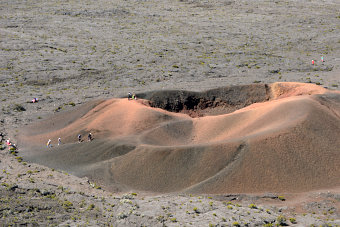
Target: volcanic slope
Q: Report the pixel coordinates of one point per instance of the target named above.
(284, 140)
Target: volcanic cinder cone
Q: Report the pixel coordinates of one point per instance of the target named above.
(283, 137)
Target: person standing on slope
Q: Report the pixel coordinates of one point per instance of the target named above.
(89, 137)
(134, 97)
(48, 143)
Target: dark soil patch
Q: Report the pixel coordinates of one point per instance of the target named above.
(212, 102)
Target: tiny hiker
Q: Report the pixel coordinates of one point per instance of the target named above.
(59, 141)
(134, 96)
(89, 137)
(8, 142)
(49, 143)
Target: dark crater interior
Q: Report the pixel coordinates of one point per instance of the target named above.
(211, 102)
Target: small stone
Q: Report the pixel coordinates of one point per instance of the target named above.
(13, 187)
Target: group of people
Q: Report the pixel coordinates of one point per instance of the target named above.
(322, 60)
(34, 100)
(132, 96)
(11, 146)
(89, 138)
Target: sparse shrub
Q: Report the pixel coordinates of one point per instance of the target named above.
(97, 187)
(12, 149)
(282, 198)
(91, 207)
(173, 219)
(281, 220)
(58, 108)
(19, 108)
(292, 220)
(67, 205)
(5, 185)
(128, 201)
(268, 225)
(51, 196)
(252, 206)
(236, 224)
(161, 219)
(31, 180)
